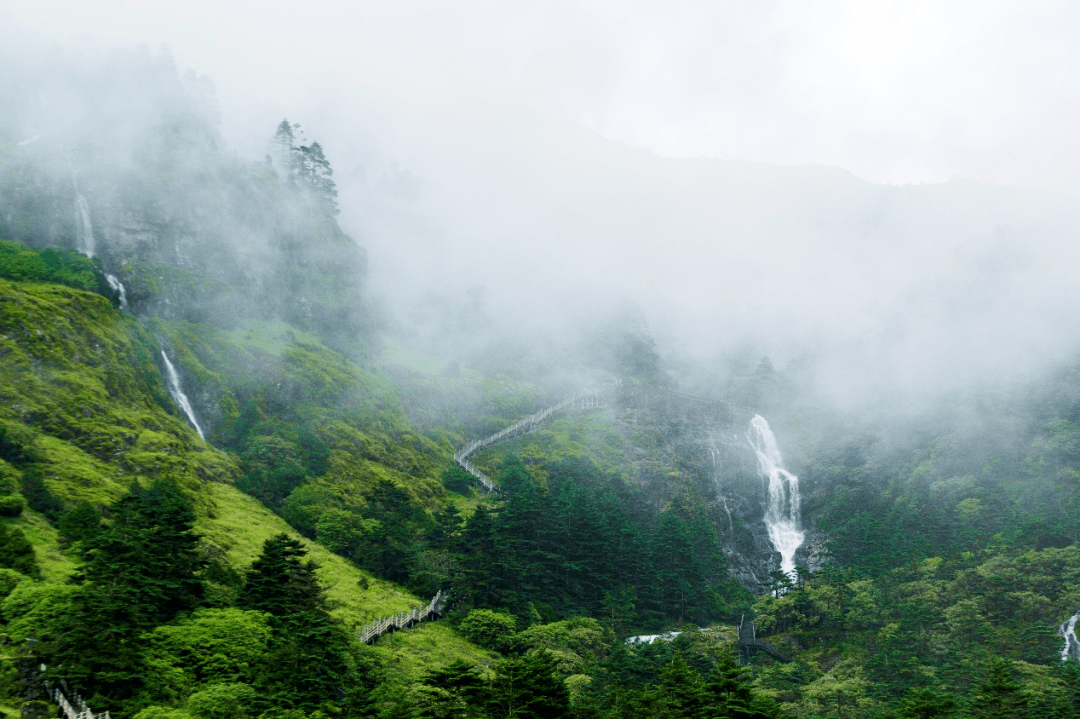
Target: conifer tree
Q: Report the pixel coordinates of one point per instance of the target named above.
(80, 523)
(730, 693)
(17, 553)
(306, 666)
(456, 691)
(999, 695)
(925, 703)
(528, 688)
(138, 573)
(680, 692)
(304, 166)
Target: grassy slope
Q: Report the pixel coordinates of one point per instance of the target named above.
(82, 377)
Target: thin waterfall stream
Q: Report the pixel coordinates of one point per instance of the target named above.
(87, 246)
(782, 516)
(1067, 631)
(178, 395)
(86, 230)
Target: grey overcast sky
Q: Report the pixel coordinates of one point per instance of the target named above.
(900, 92)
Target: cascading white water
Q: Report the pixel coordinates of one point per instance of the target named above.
(1067, 631)
(86, 230)
(178, 395)
(782, 516)
(87, 245)
(117, 285)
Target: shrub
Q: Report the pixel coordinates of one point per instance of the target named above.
(12, 505)
(222, 701)
(492, 630)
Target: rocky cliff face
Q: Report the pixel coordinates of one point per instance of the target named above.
(707, 442)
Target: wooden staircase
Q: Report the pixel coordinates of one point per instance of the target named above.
(375, 629)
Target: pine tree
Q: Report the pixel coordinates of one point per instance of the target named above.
(283, 150)
(925, 703)
(391, 547)
(680, 692)
(279, 582)
(730, 693)
(138, 573)
(528, 688)
(314, 171)
(304, 166)
(483, 564)
(80, 523)
(17, 553)
(999, 695)
(454, 692)
(306, 665)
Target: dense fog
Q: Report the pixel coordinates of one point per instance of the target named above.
(520, 177)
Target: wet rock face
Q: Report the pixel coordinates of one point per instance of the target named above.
(708, 444)
(729, 476)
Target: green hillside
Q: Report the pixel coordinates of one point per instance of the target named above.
(85, 414)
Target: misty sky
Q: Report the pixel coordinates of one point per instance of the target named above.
(552, 157)
(914, 91)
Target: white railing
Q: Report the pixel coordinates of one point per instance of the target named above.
(375, 629)
(585, 400)
(75, 709)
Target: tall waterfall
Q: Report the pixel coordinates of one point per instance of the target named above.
(86, 230)
(87, 245)
(1067, 631)
(178, 395)
(782, 512)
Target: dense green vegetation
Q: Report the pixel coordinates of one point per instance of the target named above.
(86, 489)
(61, 267)
(978, 628)
(586, 544)
(167, 577)
(994, 468)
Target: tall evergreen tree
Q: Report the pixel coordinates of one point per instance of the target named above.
(138, 573)
(679, 694)
(730, 693)
(456, 691)
(528, 688)
(999, 695)
(304, 166)
(306, 666)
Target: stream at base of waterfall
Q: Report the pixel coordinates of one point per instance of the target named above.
(782, 516)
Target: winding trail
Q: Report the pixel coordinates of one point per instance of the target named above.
(584, 400)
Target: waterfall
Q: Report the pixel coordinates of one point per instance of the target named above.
(117, 285)
(178, 395)
(782, 512)
(87, 245)
(86, 230)
(1067, 631)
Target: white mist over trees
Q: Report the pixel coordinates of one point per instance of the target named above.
(457, 180)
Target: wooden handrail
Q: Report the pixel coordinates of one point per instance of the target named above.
(590, 398)
(377, 627)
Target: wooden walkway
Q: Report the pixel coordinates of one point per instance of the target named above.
(375, 629)
(584, 400)
(74, 709)
(749, 643)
